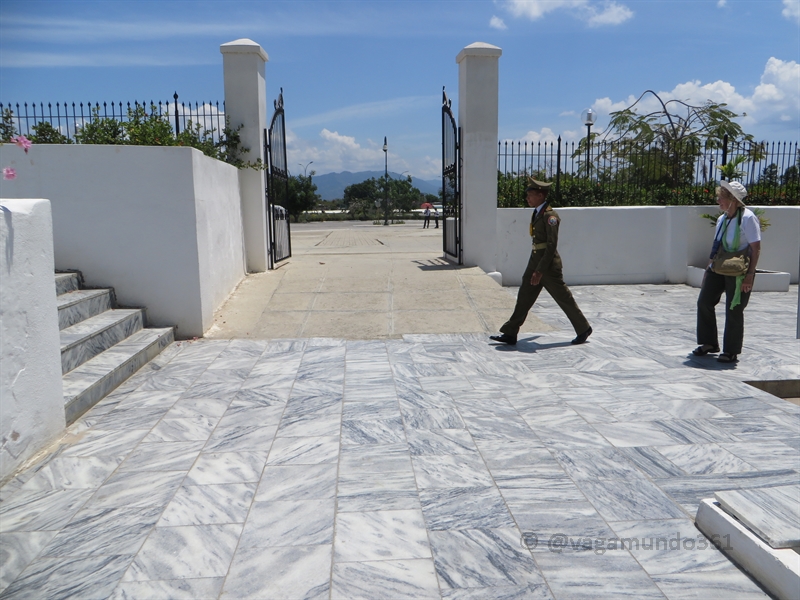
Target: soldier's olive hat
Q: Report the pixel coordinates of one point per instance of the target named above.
(534, 185)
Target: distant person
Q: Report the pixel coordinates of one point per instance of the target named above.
(738, 234)
(436, 217)
(427, 214)
(543, 271)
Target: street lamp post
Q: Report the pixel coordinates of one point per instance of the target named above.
(588, 117)
(305, 169)
(385, 182)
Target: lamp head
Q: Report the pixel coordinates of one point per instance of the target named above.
(385, 145)
(588, 117)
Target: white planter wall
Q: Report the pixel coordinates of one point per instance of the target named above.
(651, 244)
(31, 397)
(162, 226)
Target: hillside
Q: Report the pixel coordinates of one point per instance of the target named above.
(331, 185)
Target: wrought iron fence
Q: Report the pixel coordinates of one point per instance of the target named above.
(68, 119)
(612, 174)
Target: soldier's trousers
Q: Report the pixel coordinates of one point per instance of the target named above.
(710, 294)
(553, 282)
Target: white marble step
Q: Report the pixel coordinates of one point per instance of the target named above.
(773, 513)
(776, 569)
(77, 305)
(67, 282)
(90, 337)
(96, 378)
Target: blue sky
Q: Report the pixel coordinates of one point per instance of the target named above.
(354, 72)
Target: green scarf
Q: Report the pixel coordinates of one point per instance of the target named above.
(737, 296)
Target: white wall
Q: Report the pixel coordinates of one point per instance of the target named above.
(31, 396)
(649, 244)
(162, 226)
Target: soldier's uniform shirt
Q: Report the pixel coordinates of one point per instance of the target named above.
(546, 260)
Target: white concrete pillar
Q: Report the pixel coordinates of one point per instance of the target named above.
(31, 395)
(246, 105)
(477, 117)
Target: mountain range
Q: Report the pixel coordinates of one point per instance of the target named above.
(331, 185)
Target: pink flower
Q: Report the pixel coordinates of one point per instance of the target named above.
(9, 173)
(22, 142)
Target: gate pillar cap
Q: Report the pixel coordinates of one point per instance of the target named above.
(244, 46)
(479, 49)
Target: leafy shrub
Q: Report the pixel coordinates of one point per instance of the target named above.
(45, 133)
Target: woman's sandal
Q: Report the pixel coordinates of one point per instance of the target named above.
(725, 357)
(705, 349)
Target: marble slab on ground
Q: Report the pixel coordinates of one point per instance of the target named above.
(773, 513)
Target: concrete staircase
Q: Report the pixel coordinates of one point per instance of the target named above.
(101, 346)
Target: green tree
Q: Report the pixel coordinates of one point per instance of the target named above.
(359, 198)
(403, 195)
(148, 129)
(100, 130)
(45, 133)
(769, 176)
(7, 128)
(302, 195)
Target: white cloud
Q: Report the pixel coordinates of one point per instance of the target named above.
(776, 97)
(611, 14)
(14, 59)
(722, 3)
(596, 14)
(791, 10)
(497, 23)
(367, 109)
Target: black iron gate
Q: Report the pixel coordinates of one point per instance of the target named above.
(280, 240)
(451, 183)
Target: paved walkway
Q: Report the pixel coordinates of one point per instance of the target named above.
(431, 466)
(363, 281)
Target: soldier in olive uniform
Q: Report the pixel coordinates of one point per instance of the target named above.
(544, 270)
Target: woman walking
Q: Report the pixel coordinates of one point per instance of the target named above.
(732, 268)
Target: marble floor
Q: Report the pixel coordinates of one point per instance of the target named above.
(433, 466)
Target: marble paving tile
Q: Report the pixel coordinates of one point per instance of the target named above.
(451, 471)
(304, 404)
(423, 442)
(599, 463)
(241, 438)
(396, 579)
(17, 550)
(669, 546)
(488, 428)
(104, 531)
(72, 472)
(208, 505)
(693, 431)
(772, 512)
(380, 408)
(66, 578)
(756, 429)
(432, 418)
(188, 552)
(304, 451)
(380, 535)
(373, 431)
(464, 508)
(364, 490)
(41, 510)
(310, 425)
(413, 399)
(714, 585)
(297, 482)
(482, 558)
(512, 453)
(284, 572)
(624, 435)
(226, 467)
(514, 592)
(107, 444)
(699, 459)
(174, 589)
(182, 430)
(292, 523)
(544, 524)
(189, 407)
(591, 412)
(766, 455)
(521, 486)
(137, 489)
(636, 410)
(576, 434)
(611, 575)
(379, 458)
(626, 500)
(162, 456)
(651, 462)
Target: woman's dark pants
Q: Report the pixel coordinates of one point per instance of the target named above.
(710, 294)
